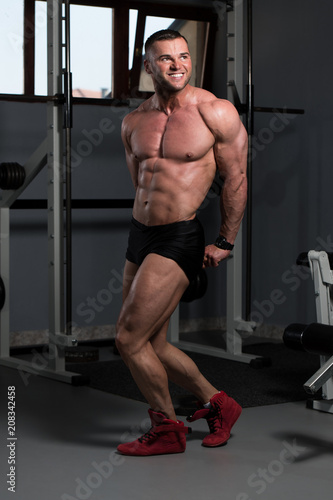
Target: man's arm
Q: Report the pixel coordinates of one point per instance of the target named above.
(231, 159)
(132, 162)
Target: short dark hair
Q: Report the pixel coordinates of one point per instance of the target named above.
(167, 34)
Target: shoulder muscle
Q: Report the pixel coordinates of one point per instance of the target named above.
(223, 120)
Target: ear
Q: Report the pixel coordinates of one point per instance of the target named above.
(147, 66)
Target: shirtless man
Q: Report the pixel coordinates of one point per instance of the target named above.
(174, 142)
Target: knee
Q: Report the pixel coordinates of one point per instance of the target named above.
(121, 341)
(122, 346)
(125, 341)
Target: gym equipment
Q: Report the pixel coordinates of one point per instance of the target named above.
(68, 124)
(197, 287)
(2, 293)
(317, 337)
(50, 152)
(81, 354)
(12, 175)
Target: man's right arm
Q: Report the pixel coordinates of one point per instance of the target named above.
(231, 159)
(132, 162)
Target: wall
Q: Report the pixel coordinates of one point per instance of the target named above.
(292, 174)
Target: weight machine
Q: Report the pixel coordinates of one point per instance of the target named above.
(317, 337)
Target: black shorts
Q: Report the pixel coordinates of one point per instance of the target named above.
(183, 242)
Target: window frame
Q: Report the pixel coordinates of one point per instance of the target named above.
(124, 81)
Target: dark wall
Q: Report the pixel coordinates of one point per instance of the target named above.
(292, 174)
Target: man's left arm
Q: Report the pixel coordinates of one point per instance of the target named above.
(231, 159)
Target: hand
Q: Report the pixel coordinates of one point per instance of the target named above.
(213, 256)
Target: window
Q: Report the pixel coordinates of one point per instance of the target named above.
(91, 51)
(40, 49)
(11, 43)
(107, 46)
(133, 19)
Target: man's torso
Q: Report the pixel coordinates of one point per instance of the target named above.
(176, 163)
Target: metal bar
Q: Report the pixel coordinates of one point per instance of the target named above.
(321, 376)
(76, 204)
(249, 163)
(4, 272)
(59, 99)
(292, 111)
(55, 183)
(234, 299)
(120, 33)
(137, 53)
(26, 369)
(68, 234)
(29, 46)
(68, 127)
(215, 351)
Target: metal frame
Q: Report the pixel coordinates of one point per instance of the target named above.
(322, 276)
(50, 152)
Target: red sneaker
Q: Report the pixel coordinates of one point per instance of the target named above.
(165, 436)
(221, 416)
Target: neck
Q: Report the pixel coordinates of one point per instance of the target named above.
(167, 102)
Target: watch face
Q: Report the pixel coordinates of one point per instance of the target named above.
(222, 243)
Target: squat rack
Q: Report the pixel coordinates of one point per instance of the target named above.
(50, 153)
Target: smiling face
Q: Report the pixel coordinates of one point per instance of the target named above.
(169, 64)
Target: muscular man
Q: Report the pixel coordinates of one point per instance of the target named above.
(174, 142)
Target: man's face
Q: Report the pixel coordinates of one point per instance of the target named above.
(169, 64)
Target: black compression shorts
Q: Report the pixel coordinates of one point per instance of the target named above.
(183, 242)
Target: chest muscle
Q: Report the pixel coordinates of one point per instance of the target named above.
(181, 137)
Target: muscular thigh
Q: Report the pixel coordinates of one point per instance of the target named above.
(130, 271)
(152, 297)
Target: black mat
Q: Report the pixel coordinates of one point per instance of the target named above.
(281, 382)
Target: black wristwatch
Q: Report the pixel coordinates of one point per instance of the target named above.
(222, 243)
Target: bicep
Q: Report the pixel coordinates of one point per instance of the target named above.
(231, 150)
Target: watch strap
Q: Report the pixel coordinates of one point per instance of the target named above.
(223, 244)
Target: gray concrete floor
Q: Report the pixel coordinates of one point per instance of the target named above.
(67, 437)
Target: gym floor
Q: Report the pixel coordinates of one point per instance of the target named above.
(67, 438)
